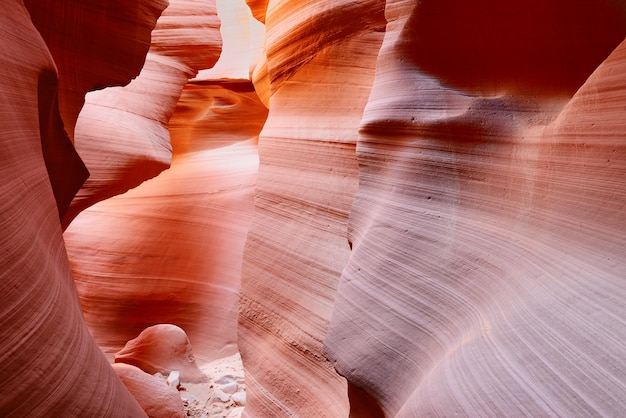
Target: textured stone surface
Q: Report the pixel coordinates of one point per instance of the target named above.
(178, 260)
(486, 277)
(297, 243)
(162, 348)
(46, 348)
(86, 60)
(436, 217)
(157, 399)
(122, 133)
(169, 251)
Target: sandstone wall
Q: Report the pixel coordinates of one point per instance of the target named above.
(50, 365)
(486, 275)
(318, 82)
(169, 250)
(395, 208)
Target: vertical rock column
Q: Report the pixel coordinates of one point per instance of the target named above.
(49, 364)
(486, 277)
(318, 81)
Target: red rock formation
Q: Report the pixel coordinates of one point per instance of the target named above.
(87, 60)
(297, 243)
(46, 348)
(162, 348)
(122, 133)
(177, 260)
(486, 276)
(169, 250)
(258, 9)
(156, 398)
(445, 232)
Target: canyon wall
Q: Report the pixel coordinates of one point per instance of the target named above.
(169, 250)
(50, 366)
(486, 276)
(390, 208)
(318, 82)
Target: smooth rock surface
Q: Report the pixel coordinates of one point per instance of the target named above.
(122, 133)
(178, 260)
(169, 251)
(95, 45)
(487, 271)
(157, 399)
(297, 246)
(49, 364)
(431, 224)
(165, 349)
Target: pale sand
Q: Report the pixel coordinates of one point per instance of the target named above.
(224, 395)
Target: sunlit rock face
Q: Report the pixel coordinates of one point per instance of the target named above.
(318, 82)
(122, 133)
(50, 366)
(170, 250)
(95, 45)
(487, 270)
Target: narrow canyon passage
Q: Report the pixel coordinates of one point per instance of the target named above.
(382, 208)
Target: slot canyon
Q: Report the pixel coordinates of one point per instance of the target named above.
(316, 208)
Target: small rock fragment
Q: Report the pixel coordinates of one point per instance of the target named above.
(230, 388)
(239, 398)
(173, 380)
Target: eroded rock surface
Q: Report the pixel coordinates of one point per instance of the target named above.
(433, 222)
(162, 348)
(486, 276)
(122, 133)
(170, 250)
(45, 345)
(297, 244)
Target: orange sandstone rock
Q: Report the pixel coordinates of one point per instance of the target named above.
(297, 244)
(122, 133)
(162, 348)
(49, 364)
(95, 45)
(169, 250)
(487, 267)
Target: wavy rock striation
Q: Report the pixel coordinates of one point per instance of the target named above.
(486, 277)
(49, 366)
(169, 251)
(184, 231)
(87, 60)
(297, 245)
(428, 222)
(122, 133)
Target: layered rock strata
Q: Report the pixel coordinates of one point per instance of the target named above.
(50, 366)
(486, 277)
(184, 231)
(169, 251)
(95, 45)
(122, 133)
(318, 82)
(437, 220)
